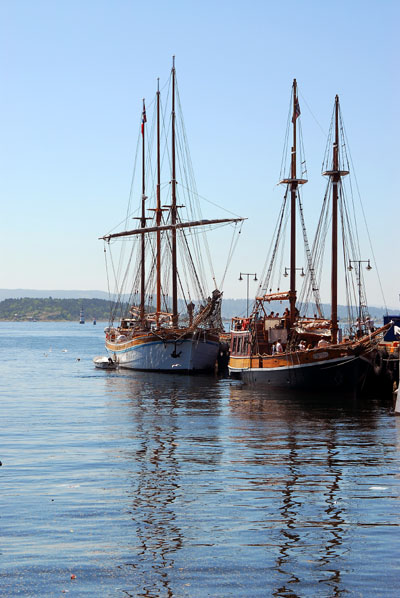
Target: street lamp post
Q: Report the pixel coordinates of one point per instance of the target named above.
(286, 272)
(368, 267)
(247, 295)
(292, 314)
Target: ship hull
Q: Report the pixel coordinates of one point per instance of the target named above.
(193, 353)
(346, 373)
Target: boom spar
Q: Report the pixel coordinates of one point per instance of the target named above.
(153, 229)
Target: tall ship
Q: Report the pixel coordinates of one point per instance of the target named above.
(163, 318)
(301, 347)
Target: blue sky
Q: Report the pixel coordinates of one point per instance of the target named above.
(73, 77)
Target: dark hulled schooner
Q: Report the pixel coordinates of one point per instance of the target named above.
(299, 349)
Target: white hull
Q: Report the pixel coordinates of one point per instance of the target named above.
(397, 397)
(190, 354)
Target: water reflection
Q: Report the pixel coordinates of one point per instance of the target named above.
(309, 440)
(331, 553)
(288, 511)
(163, 441)
(190, 487)
(155, 487)
(216, 470)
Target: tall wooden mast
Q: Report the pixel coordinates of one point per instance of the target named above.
(158, 210)
(293, 193)
(143, 221)
(335, 175)
(293, 182)
(174, 208)
(335, 194)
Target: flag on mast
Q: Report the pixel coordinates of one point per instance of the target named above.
(144, 119)
(296, 110)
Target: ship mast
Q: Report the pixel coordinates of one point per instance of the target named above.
(293, 182)
(158, 211)
(293, 192)
(335, 181)
(143, 222)
(335, 175)
(174, 208)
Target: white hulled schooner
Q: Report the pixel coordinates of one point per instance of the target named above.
(168, 275)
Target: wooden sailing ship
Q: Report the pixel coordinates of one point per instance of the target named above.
(154, 335)
(298, 349)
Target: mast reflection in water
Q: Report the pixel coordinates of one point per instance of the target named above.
(166, 448)
(155, 488)
(247, 492)
(312, 469)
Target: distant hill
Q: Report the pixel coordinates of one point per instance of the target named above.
(53, 309)
(34, 293)
(99, 307)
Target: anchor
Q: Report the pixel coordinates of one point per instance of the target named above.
(174, 354)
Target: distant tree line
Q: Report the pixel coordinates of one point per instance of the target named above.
(50, 309)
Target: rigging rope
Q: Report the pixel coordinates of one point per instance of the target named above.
(231, 251)
(365, 220)
(310, 270)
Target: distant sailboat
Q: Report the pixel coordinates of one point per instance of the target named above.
(81, 317)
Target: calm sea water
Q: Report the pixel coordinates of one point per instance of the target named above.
(152, 485)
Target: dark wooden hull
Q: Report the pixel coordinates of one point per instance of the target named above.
(347, 375)
(345, 366)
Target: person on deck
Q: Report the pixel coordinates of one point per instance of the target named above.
(369, 323)
(278, 346)
(359, 332)
(286, 319)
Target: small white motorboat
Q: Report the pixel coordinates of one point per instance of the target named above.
(104, 363)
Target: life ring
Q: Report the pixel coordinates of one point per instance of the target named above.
(378, 364)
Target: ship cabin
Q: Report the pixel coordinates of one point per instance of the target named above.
(240, 344)
(258, 335)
